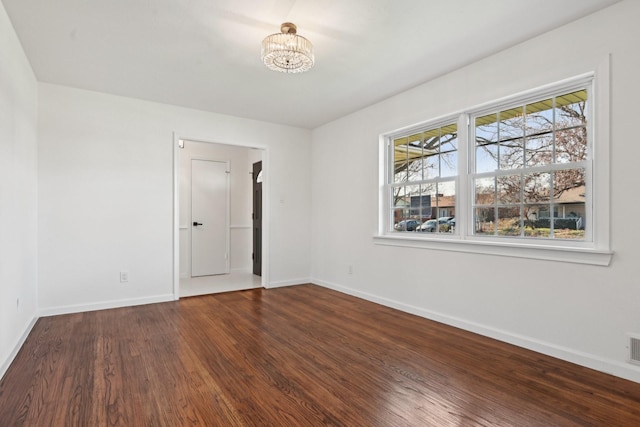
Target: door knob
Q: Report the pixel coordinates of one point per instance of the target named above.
(195, 224)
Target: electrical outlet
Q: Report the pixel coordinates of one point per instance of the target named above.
(124, 276)
(350, 269)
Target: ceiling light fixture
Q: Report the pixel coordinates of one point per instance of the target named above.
(286, 51)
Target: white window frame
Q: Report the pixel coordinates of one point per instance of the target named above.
(389, 173)
(594, 249)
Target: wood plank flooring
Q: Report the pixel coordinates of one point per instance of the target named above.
(296, 356)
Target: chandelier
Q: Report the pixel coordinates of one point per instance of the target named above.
(286, 51)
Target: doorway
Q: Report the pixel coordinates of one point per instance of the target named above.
(220, 166)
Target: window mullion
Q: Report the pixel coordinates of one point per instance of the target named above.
(463, 183)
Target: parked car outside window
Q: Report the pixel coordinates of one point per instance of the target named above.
(407, 225)
(429, 226)
(443, 224)
(444, 219)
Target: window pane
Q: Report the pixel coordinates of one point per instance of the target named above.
(400, 159)
(539, 128)
(487, 158)
(398, 215)
(485, 221)
(568, 228)
(415, 165)
(537, 187)
(511, 124)
(449, 138)
(569, 204)
(425, 213)
(571, 145)
(511, 142)
(431, 147)
(449, 151)
(415, 157)
(509, 221)
(511, 154)
(449, 164)
(414, 200)
(571, 110)
(539, 150)
(569, 185)
(536, 221)
(539, 117)
(446, 205)
(486, 129)
(431, 166)
(509, 189)
(412, 191)
(399, 197)
(428, 193)
(571, 131)
(485, 191)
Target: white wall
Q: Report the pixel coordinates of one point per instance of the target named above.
(576, 312)
(106, 196)
(240, 203)
(18, 193)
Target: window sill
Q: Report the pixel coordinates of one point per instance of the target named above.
(507, 249)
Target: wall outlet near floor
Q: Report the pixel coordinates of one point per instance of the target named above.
(124, 276)
(350, 269)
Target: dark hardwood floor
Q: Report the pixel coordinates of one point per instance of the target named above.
(296, 356)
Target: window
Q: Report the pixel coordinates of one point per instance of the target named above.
(530, 160)
(514, 177)
(423, 179)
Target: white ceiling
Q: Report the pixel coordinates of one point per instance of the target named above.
(205, 54)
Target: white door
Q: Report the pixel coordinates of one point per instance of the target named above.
(209, 218)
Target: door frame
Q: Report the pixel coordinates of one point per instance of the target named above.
(177, 142)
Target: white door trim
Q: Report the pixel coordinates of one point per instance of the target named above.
(266, 208)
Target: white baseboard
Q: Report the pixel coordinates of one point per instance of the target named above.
(608, 366)
(16, 348)
(79, 308)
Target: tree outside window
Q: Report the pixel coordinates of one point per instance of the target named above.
(530, 169)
